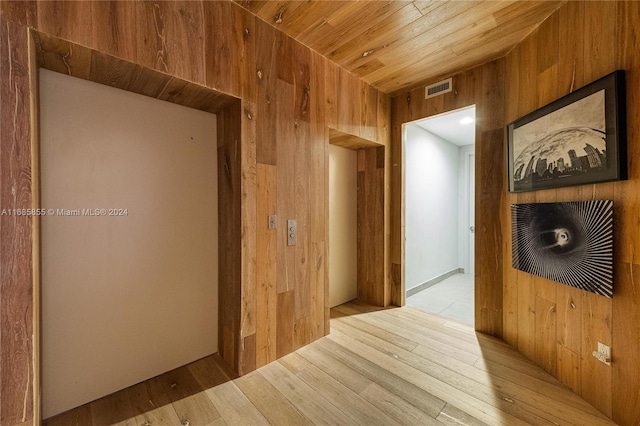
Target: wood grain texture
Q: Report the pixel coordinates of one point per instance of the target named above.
(266, 266)
(370, 217)
(378, 40)
(198, 54)
(626, 302)
(229, 225)
(373, 369)
(82, 62)
(247, 236)
(16, 270)
(567, 54)
(483, 87)
(349, 141)
(34, 106)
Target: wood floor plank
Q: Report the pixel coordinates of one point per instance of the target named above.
(452, 416)
(484, 346)
(309, 402)
(406, 390)
(165, 415)
(210, 371)
(378, 366)
(78, 417)
(196, 409)
(514, 398)
(444, 391)
(234, 406)
(112, 409)
(396, 407)
(420, 338)
(271, 403)
(355, 407)
(390, 337)
(339, 371)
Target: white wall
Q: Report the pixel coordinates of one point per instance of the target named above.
(343, 225)
(465, 184)
(431, 206)
(124, 298)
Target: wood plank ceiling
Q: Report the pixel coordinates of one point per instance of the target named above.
(399, 45)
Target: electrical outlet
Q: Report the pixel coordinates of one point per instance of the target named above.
(605, 350)
(603, 354)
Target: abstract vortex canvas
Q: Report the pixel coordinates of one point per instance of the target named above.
(571, 243)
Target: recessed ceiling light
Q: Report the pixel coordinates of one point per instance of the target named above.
(466, 120)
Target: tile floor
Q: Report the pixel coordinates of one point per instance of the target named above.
(452, 298)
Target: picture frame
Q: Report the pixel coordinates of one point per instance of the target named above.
(569, 243)
(575, 140)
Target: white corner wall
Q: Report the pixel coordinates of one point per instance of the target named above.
(124, 298)
(431, 206)
(466, 154)
(343, 225)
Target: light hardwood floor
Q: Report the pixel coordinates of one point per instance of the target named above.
(377, 367)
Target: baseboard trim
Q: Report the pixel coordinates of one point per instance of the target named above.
(433, 281)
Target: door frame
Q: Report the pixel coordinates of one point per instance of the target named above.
(403, 134)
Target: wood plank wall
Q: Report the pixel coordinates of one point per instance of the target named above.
(556, 325)
(370, 210)
(290, 97)
(16, 269)
(482, 86)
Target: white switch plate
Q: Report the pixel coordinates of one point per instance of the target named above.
(292, 228)
(273, 220)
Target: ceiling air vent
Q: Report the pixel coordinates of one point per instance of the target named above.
(437, 89)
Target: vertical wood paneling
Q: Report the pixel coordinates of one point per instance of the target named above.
(285, 323)
(370, 211)
(626, 301)
(113, 32)
(24, 12)
(164, 29)
(67, 20)
(266, 265)
(318, 202)
(289, 96)
(579, 43)
(285, 133)
(229, 225)
(490, 172)
(594, 375)
(484, 87)
(248, 238)
(224, 39)
(16, 273)
(349, 108)
(331, 94)
(265, 72)
(571, 47)
(510, 275)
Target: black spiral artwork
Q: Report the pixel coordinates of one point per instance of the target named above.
(571, 243)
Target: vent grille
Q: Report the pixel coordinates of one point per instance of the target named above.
(438, 88)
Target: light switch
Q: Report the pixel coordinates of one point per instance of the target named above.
(292, 226)
(273, 220)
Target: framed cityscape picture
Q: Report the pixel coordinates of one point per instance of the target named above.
(577, 139)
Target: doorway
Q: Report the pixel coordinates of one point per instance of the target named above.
(439, 197)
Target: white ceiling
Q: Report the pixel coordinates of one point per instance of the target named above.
(448, 126)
